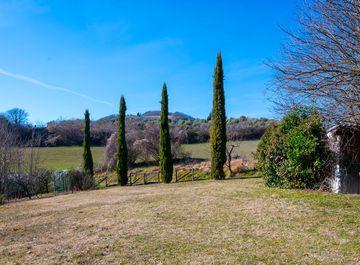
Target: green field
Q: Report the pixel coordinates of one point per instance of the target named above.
(244, 149)
(66, 157)
(235, 221)
(71, 157)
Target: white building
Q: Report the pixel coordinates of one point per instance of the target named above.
(344, 142)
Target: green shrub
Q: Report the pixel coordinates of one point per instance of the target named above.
(2, 199)
(294, 154)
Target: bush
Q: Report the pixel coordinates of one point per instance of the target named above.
(2, 199)
(79, 180)
(25, 184)
(294, 154)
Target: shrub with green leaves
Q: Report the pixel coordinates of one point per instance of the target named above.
(2, 199)
(294, 153)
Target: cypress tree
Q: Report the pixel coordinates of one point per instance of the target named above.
(218, 126)
(166, 159)
(122, 151)
(88, 163)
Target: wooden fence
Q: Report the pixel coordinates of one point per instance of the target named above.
(143, 178)
(186, 174)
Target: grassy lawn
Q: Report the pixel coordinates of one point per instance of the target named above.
(205, 222)
(245, 148)
(66, 157)
(71, 157)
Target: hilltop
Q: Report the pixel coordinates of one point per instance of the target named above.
(152, 114)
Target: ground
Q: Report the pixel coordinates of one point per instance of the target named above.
(71, 157)
(202, 222)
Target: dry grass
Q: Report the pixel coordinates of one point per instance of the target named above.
(204, 222)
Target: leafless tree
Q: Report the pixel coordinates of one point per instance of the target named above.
(10, 156)
(17, 116)
(321, 63)
(70, 132)
(65, 132)
(143, 144)
(149, 143)
(20, 174)
(110, 151)
(229, 150)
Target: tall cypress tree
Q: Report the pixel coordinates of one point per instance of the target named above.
(88, 163)
(218, 123)
(166, 159)
(122, 151)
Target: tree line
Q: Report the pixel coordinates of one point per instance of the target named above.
(217, 136)
(185, 131)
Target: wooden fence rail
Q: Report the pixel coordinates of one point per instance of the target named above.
(136, 178)
(143, 178)
(104, 179)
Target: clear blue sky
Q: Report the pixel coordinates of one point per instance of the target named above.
(59, 57)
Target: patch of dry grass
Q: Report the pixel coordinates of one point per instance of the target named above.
(204, 222)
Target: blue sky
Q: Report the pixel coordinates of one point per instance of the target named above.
(59, 57)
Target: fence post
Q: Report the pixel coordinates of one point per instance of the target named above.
(176, 176)
(60, 182)
(192, 174)
(54, 187)
(159, 177)
(106, 183)
(63, 184)
(144, 178)
(66, 183)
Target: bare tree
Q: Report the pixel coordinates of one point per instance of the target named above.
(229, 150)
(10, 157)
(321, 63)
(134, 151)
(17, 116)
(143, 144)
(20, 174)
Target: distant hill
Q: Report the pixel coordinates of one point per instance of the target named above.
(153, 114)
(108, 118)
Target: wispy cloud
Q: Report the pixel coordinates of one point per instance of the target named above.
(51, 87)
